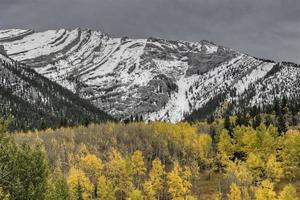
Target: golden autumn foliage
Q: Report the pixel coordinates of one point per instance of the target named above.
(258, 148)
(4, 195)
(91, 165)
(235, 192)
(290, 153)
(117, 171)
(105, 189)
(202, 148)
(78, 179)
(154, 185)
(265, 191)
(135, 195)
(163, 161)
(225, 147)
(274, 169)
(179, 182)
(138, 168)
(57, 186)
(288, 193)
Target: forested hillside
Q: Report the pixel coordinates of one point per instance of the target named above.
(284, 111)
(33, 101)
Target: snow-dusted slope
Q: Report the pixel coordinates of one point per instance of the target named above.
(158, 79)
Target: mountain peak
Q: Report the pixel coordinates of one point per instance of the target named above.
(207, 42)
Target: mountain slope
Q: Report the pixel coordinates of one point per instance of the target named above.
(36, 102)
(154, 78)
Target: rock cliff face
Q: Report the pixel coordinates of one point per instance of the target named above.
(154, 78)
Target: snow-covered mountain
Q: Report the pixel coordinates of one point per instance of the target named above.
(154, 78)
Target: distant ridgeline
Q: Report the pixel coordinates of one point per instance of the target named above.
(34, 102)
(282, 113)
(219, 107)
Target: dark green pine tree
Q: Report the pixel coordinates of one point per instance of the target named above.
(228, 125)
(137, 119)
(242, 118)
(284, 105)
(141, 118)
(24, 170)
(8, 156)
(210, 119)
(254, 111)
(281, 124)
(295, 120)
(239, 119)
(32, 171)
(131, 119)
(268, 120)
(277, 107)
(256, 121)
(293, 107)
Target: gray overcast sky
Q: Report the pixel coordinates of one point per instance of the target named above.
(264, 28)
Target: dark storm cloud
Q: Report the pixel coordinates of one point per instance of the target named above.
(265, 28)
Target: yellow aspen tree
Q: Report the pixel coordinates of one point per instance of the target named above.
(267, 140)
(255, 164)
(137, 167)
(57, 186)
(265, 191)
(4, 195)
(73, 159)
(238, 172)
(105, 189)
(135, 195)
(225, 147)
(195, 170)
(288, 193)
(82, 149)
(190, 198)
(245, 139)
(234, 193)
(245, 193)
(186, 175)
(216, 196)
(290, 154)
(149, 190)
(92, 166)
(154, 185)
(78, 179)
(177, 187)
(202, 147)
(117, 172)
(273, 168)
